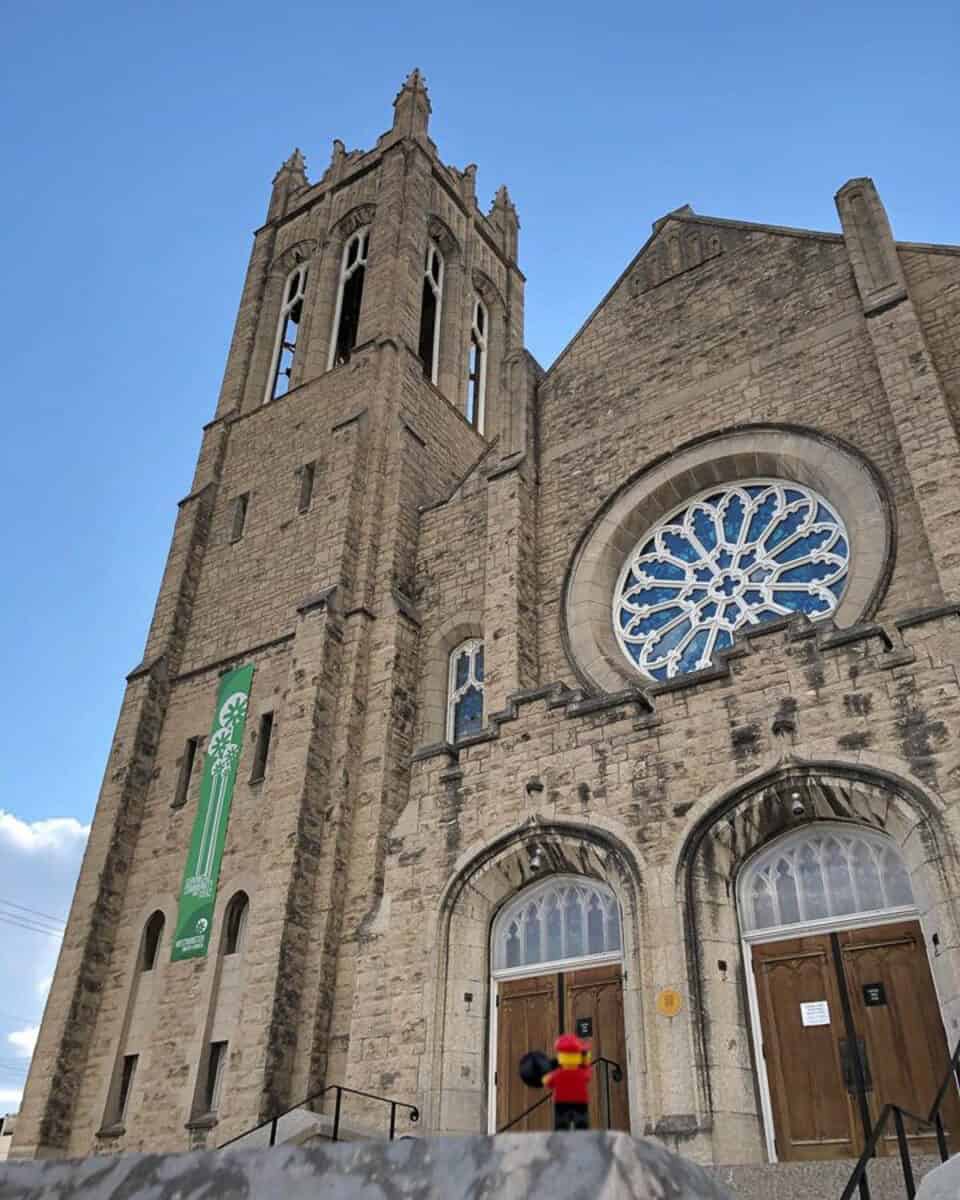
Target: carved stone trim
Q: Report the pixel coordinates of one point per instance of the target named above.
(489, 292)
(441, 233)
(355, 219)
(300, 252)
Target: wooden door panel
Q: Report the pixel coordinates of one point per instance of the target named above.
(597, 994)
(528, 1018)
(906, 1045)
(814, 1115)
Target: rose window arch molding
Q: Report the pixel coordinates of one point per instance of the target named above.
(829, 468)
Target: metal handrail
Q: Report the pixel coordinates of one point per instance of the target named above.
(608, 1063)
(934, 1121)
(339, 1088)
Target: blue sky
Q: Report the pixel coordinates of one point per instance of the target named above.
(140, 142)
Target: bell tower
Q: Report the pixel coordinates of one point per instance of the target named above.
(377, 357)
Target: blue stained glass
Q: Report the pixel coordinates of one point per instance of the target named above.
(468, 714)
(672, 637)
(808, 571)
(803, 602)
(705, 579)
(664, 570)
(463, 669)
(733, 515)
(656, 620)
(787, 526)
(705, 529)
(762, 517)
(690, 658)
(654, 595)
(680, 546)
(478, 665)
(804, 545)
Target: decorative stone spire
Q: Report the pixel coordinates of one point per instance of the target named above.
(503, 216)
(411, 109)
(290, 179)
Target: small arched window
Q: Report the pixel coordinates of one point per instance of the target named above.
(477, 378)
(430, 312)
(565, 917)
(288, 328)
(152, 937)
(235, 924)
(823, 872)
(465, 690)
(346, 317)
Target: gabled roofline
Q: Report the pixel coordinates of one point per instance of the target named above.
(691, 218)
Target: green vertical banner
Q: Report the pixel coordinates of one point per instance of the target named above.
(195, 913)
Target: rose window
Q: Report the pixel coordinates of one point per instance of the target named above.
(734, 556)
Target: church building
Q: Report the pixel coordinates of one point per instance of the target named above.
(484, 702)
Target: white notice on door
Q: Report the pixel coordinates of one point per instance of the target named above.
(817, 1012)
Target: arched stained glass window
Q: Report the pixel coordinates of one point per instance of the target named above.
(465, 690)
(821, 872)
(734, 556)
(565, 917)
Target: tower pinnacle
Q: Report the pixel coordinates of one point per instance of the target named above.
(412, 105)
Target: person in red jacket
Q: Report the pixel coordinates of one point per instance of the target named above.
(570, 1083)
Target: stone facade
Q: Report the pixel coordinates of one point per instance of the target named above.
(375, 853)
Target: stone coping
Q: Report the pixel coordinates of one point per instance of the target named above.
(558, 1166)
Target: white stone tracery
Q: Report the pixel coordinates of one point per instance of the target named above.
(565, 917)
(823, 872)
(733, 556)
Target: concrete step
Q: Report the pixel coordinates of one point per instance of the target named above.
(304, 1128)
(816, 1180)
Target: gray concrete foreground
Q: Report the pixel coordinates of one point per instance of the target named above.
(583, 1166)
(943, 1182)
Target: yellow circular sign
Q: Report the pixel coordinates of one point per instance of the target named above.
(669, 1002)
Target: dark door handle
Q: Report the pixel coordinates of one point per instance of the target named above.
(849, 1065)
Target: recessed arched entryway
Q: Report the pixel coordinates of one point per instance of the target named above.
(556, 956)
(844, 1013)
(498, 929)
(828, 878)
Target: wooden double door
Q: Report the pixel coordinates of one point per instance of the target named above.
(531, 1015)
(850, 1022)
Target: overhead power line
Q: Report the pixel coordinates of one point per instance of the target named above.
(33, 912)
(7, 919)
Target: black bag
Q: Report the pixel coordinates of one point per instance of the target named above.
(534, 1066)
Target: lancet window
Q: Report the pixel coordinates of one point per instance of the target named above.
(477, 374)
(346, 318)
(430, 307)
(465, 690)
(288, 329)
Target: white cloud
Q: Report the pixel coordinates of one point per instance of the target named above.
(24, 1040)
(59, 835)
(39, 862)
